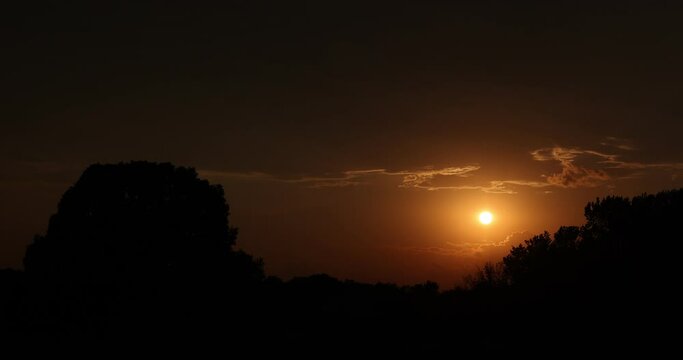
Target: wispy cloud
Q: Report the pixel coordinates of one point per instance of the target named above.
(616, 164)
(424, 179)
(618, 143)
(493, 186)
(236, 174)
(578, 168)
(470, 248)
(596, 167)
(420, 178)
(571, 174)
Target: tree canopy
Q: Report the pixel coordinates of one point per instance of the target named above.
(140, 225)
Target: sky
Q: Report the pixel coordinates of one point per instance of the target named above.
(359, 139)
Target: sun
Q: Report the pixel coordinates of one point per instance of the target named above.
(485, 217)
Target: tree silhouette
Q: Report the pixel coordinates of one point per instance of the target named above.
(527, 262)
(146, 249)
(491, 276)
(11, 297)
(566, 237)
(139, 238)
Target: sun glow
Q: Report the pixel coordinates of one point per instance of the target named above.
(485, 217)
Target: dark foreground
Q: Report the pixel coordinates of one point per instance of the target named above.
(141, 254)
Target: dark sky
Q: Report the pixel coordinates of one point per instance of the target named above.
(355, 138)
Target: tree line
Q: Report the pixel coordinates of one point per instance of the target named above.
(143, 253)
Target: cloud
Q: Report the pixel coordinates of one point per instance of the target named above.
(511, 239)
(596, 167)
(334, 183)
(517, 238)
(493, 186)
(314, 181)
(424, 179)
(638, 165)
(253, 175)
(573, 175)
(618, 143)
(421, 178)
(471, 248)
(578, 168)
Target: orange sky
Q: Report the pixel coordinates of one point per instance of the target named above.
(387, 226)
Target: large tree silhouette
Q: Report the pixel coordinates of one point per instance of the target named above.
(137, 238)
(137, 218)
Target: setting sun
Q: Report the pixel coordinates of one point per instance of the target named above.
(485, 217)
